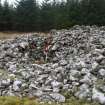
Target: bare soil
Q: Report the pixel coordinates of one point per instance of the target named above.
(9, 35)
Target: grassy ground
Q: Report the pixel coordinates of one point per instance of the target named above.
(25, 101)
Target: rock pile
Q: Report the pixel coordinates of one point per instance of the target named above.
(70, 61)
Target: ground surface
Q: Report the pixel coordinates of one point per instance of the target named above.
(8, 35)
(25, 101)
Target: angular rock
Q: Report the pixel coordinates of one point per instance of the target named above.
(16, 85)
(43, 66)
(58, 97)
(102, 72)
(98, 96)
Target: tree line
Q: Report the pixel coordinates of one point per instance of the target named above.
(28, 15)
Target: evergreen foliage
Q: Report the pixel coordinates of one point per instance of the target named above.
(28, 15)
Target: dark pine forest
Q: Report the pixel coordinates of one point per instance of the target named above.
(28, 15)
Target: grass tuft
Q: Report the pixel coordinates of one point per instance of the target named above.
(26, 101)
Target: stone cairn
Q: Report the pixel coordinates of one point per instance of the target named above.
(66, 61)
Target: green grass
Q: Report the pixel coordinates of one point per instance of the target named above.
(26, 101)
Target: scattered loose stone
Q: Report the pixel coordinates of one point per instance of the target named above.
(102, 72)
(58, 97)
(45, 66)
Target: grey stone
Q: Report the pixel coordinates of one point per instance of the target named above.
(58, 97)
(38, 93)
(84, 92)
(102, 72)
(54, 48)
(6, 82)
(98, 96)
(16, 85)
(95, 65)
(56, 84)
(74, 61)
(63, 62)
